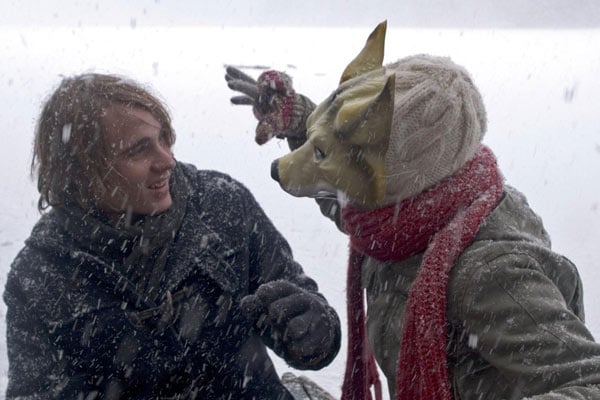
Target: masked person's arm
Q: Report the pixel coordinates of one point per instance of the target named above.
(525, 328)
(281, 113)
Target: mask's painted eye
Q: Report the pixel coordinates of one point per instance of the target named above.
(319, 154)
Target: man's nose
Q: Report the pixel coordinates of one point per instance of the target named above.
(164, 159)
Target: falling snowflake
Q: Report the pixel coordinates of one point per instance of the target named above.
(66, 133)
(472, 342)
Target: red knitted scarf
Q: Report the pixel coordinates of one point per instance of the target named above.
(441, 221)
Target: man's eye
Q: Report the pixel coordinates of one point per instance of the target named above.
(135, 151)
(319, 154)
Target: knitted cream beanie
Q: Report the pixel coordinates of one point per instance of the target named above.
(438, 124)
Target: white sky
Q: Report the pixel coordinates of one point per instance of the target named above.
(334, 13)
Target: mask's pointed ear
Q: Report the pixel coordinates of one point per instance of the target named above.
(370, 57)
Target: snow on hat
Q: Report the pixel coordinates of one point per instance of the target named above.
(438, 123)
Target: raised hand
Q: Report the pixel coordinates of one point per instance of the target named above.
(280, 111)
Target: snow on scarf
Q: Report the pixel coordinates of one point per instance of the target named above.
(441, 221)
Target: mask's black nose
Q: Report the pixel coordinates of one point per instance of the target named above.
(275, 170)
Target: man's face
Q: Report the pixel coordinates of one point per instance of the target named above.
(140, 160)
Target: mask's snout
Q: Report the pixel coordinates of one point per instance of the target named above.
(275, 170)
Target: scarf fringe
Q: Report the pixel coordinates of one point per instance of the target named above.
(360, 363)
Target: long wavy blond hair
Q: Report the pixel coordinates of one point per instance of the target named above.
(69, 155)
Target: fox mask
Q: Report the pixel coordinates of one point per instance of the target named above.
(347, 135)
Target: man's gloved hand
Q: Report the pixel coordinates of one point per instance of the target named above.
(296, 323)
(280, 111)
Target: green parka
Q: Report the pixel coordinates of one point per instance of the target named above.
(514, 310)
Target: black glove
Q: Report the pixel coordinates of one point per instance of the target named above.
(280, 111)
(297, 324)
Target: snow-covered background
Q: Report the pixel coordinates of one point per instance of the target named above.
(540, 86)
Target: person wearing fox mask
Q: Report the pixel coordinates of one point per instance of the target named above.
(465, 297)
(145, 277)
